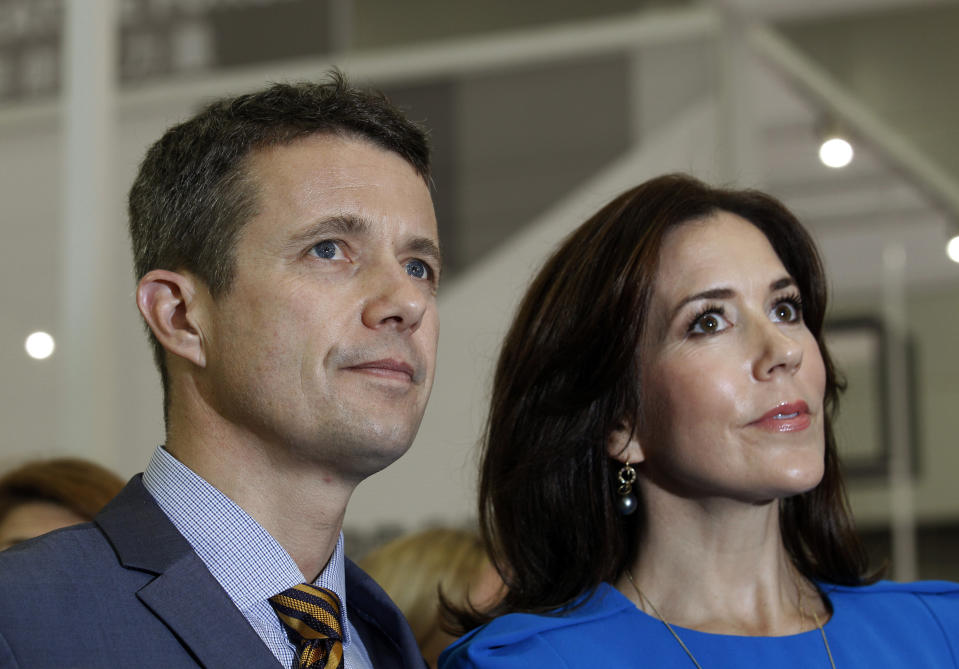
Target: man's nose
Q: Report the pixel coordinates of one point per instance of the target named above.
(394, 298)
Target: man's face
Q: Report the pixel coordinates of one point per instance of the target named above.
(324, 347)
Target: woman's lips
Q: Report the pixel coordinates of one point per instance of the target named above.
(786, 417)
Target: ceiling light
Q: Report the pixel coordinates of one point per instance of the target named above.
(952, 249)
(39, 345)
(835, 152)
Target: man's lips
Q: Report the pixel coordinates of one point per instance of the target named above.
(387, 368)
(785, 417)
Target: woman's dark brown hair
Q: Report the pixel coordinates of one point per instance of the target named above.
(78, 485)
(568, 376)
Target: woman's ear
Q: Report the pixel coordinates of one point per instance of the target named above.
(623, 445)
(173, 309)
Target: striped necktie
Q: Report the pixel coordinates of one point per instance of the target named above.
(311, 616)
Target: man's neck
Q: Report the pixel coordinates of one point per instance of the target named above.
(300, 504)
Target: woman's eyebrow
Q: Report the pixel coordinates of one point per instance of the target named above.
(727, 293)
(779, 284)
(711, 294)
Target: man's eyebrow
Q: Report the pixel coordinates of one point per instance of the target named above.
(332, 226)
(350, 224)
(424, 246)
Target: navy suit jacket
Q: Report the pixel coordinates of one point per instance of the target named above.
(127, 590)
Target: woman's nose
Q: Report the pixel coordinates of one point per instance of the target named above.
(779, 352)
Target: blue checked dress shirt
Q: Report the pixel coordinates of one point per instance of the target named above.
(244, 558)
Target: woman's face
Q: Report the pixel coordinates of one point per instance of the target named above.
(733, 380)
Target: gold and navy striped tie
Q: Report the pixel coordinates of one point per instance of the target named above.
(311, 616)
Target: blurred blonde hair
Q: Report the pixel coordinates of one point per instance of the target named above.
(414, 568)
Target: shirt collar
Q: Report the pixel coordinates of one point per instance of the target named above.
(247, 562)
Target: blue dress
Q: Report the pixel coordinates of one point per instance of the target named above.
(912, 625)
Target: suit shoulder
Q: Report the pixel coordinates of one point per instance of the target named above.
(63, 560)
(61, 546)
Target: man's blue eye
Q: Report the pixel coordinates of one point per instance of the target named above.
(326, 250)
(417, 269)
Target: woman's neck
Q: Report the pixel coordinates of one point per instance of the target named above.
(720, 566)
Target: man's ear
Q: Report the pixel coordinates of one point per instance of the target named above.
(623, 445)
(172, 306)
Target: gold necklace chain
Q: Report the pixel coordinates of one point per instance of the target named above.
(802, 615)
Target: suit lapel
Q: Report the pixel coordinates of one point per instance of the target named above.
(184, 595)
(385, 632)
(190, 602)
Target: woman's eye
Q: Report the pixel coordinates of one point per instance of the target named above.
(787, 311)
(708, 323)
(417, 269)
(327, 249)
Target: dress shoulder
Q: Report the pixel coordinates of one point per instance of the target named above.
(924, 613)
(526, 640)
(941, 596)
(947, 588)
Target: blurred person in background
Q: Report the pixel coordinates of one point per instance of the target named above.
(414, 570)
(45, 495)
